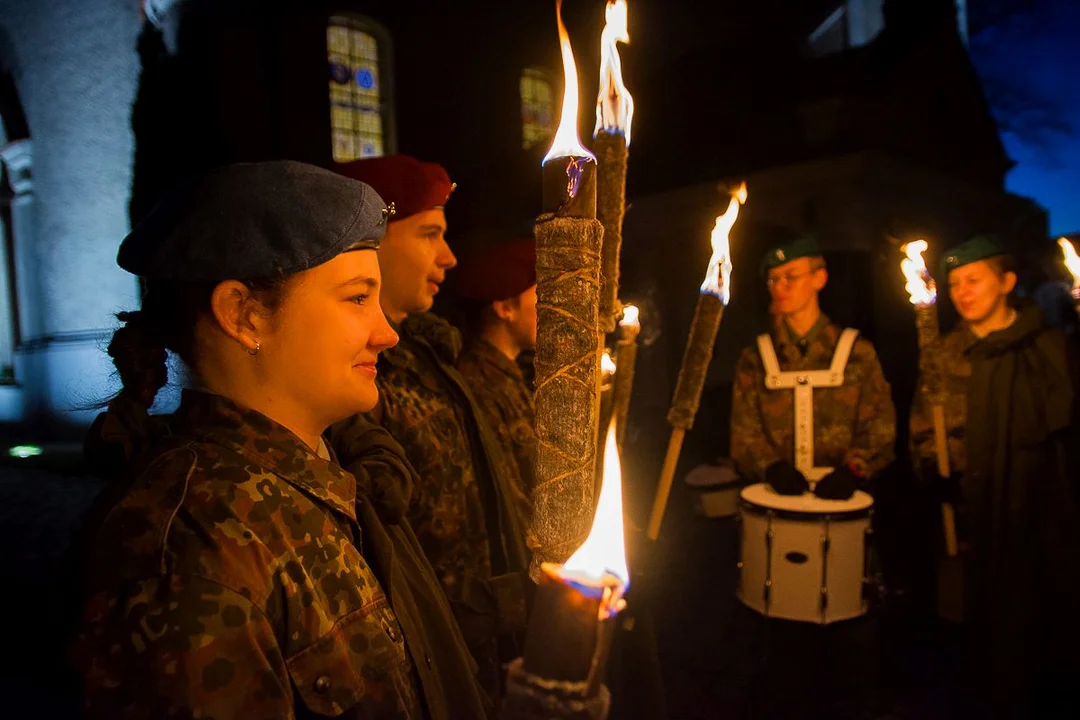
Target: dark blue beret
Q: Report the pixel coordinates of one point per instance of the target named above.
(252, 221)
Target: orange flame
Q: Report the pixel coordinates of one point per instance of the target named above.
(1072, 263)
(604, 551)
(921, 288)
(718, 276)
(566, 142)
(607, 365)
(614, 105)
(629, 317)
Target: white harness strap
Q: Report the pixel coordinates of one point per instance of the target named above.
(803, 382)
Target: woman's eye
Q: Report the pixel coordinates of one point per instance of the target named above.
(359, 299)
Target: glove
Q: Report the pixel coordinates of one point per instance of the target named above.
(840, 484)
(785, 479)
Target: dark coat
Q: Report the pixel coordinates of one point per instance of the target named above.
(1020, 500)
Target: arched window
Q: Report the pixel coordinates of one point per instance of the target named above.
(537, 108)
(361, 124)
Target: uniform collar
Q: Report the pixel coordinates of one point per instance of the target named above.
(811, 335)
(491, 355)
(274, 447)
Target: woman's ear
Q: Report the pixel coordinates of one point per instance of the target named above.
(506, 309)
(235, 309)
(1009, 281)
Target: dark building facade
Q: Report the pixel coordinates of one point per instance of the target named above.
(858, 120)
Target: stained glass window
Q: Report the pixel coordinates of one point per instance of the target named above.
(537, 108)
(357, 118)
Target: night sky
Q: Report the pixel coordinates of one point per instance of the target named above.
(1039, 52)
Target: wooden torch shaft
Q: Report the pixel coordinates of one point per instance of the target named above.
(948, 515)
(684, 405)
(663, 489)
(926, 322)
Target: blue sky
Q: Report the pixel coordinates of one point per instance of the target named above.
(1042, 51)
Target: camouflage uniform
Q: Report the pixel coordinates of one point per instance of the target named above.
(461, 510)
(499, 387)
(950, 353)
(854, 424)
(227, 582)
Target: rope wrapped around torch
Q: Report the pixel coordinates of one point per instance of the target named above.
(567, 379)
(611, 154)
(715, 292)
(923, 294)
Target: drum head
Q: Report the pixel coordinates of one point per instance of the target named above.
(764, 497)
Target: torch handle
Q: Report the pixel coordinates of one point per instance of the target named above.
(948, 515)
(696, 358)
(663, 489)
(622, 386)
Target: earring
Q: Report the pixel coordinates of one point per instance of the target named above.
(256, 350)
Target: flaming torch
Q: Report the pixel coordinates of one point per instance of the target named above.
(611, 140)
(1072, 264)
(561, 672)
(923, 295)
(714, 296)
(626, 352)
(567, 397)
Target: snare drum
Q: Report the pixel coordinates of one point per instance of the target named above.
(803, 558)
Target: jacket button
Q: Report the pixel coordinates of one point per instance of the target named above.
(390, 630)
(322, 684)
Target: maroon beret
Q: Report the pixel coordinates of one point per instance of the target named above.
(412, 186)
(498, 272)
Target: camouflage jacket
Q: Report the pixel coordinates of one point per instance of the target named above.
(460, 509)
(854, 424)
(227, 582)
(949, 390)
(499, 387)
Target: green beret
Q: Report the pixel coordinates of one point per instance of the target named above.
(977, 248)
(782, 254)
(254, 220)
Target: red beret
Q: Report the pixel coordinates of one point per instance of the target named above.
(499, 272)
(412, 186)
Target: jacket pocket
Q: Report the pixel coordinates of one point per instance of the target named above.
(361, 663)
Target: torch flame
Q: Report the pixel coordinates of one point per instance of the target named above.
(1072, 263)
(604, 551)
(920, 286)
(607, 365)
(614, 105)
(629, 317)
(566, 142)
(718, 276)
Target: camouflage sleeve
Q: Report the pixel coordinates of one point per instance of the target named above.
(874, 438)
(751, 448)
(180, 647)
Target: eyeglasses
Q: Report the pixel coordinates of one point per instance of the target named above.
(788, 279)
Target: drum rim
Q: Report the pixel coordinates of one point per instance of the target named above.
(807, 516)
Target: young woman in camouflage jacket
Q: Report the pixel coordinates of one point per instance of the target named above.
(237, 571)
